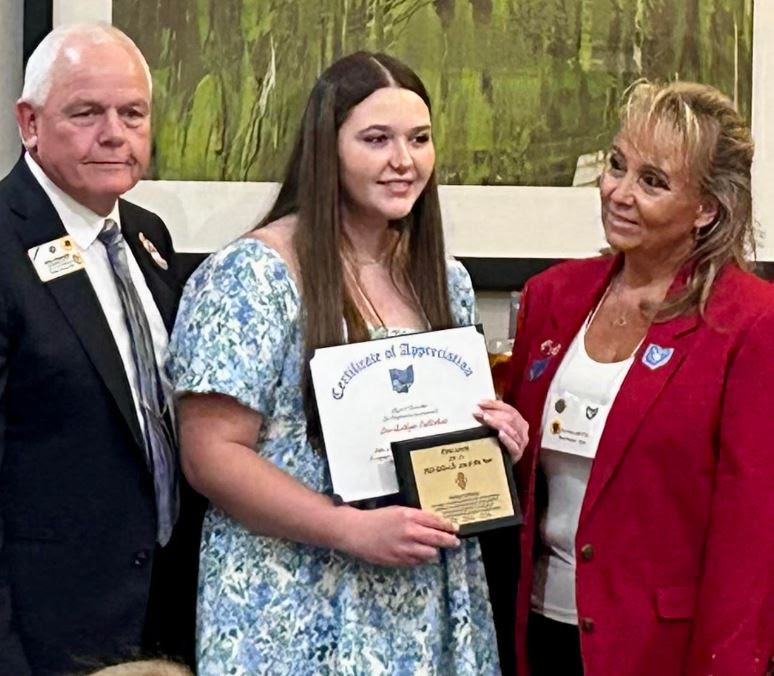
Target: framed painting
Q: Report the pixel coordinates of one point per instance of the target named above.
(525, 95)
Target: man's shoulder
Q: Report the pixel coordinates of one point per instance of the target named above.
(18, 179)
(136, 219)
(20, 197)
(136, 213)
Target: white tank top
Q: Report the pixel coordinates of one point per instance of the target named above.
(579, 400)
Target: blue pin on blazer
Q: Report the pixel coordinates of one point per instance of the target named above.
(656, 356)
(537, 367)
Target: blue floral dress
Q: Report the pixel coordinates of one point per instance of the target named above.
(273, 606)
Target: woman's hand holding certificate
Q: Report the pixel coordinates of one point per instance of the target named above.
(398, 418)
(512, 429)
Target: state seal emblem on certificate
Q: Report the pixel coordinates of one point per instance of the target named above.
(375, 397)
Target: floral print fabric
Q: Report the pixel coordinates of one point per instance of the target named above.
(273, 606)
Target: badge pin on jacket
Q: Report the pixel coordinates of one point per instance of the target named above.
(656, 356)
(154, 252)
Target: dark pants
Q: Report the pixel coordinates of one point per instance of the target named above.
(554, 647)
(170, 624)
(500, 550)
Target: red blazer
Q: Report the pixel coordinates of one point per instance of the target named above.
(675, 543)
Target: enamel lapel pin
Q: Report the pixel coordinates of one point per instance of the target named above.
(154, 252)
(656, 356)
(549, 349)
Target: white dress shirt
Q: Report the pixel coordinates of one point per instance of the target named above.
(83, 225)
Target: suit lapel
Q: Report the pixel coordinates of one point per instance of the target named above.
(639, 391)
(569, 308)
(151, 271)
(38, 223)
(567, 314)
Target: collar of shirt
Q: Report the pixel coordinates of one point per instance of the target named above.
(81, 223)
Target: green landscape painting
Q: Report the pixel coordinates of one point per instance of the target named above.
(525, 92)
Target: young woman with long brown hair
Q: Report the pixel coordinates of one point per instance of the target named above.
(351, 250)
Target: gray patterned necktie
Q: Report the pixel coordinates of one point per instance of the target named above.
(159, 439)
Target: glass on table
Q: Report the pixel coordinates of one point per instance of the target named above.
(499, 351)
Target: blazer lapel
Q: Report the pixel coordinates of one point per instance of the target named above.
(569, 308)
(653, 367)
(39, 223)
(164, 296)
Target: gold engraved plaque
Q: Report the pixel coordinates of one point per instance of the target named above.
(462, 476)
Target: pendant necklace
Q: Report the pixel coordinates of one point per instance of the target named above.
(366, 262)
(349, 266)
(621, 320)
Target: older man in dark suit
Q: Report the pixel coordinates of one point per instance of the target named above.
(89, 489)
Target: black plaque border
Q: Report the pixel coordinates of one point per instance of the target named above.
(401, 453)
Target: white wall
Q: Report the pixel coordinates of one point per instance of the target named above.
(73, 11)
(11, 52)
(763, 124)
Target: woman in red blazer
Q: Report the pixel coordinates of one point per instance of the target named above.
(646, 378)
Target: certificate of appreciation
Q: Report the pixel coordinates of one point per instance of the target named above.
(373, 393)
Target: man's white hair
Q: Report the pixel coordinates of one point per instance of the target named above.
(38, 75)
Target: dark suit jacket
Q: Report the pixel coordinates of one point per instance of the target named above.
(674, 543)
(77, 517)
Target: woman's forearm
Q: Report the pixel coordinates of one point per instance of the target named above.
(265, 499)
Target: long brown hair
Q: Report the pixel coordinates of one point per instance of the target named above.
(717, 147)
(311, 190)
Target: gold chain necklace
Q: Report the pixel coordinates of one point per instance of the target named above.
(621, 320)
(355, 277)
(365, 262)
